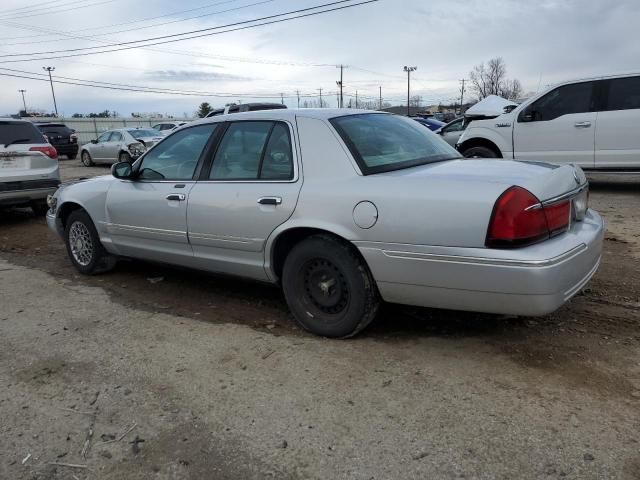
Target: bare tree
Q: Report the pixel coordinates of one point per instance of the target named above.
(416, 101)
(491, 79)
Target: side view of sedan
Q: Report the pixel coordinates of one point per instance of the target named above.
(119, 145)
(344, 209)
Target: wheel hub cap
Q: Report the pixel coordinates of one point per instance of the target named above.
(81, 243)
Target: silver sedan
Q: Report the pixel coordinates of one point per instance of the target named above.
(343, 209)
(119, 145)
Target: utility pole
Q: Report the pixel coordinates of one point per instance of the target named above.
(340, 84)
(49, 70)
(462, 82)
(24, 103)
(282, 98)
(321, 106)
(380, 98)
(356, 99)
(298, 95)
(409, 70)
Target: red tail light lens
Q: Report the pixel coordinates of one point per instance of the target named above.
(519, 219)
(49, 151)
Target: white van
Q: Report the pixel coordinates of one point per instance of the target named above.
(592, 123)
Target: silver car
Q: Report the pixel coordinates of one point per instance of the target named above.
(28, 166)
(343, 209)
(119, 145)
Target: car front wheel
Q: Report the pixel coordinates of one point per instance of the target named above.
(329, 288)
(86, 159)
(479, 152)
(83, 245)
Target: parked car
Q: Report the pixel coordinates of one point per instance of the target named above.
(28, 166)
(452, 131)
(431, 123)
(119, 145)
(343, 209)
(246, 107)
(167, 127)
(592, 123)
(63, 138)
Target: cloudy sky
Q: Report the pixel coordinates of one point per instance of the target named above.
(542, 42)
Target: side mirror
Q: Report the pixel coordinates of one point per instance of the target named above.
(94, 141)
(122, 170)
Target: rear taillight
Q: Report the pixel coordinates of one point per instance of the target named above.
(519, 219)
(49, 151)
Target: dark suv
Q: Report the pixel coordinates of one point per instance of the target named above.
(63, 138)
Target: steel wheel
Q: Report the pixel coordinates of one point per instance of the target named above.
(80, 243)
(325, 286)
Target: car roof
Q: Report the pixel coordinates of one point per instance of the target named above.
(287, 114)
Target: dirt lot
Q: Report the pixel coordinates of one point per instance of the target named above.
(217, 382)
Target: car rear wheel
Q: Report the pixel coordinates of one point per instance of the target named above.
(83, 245)
(479, 152)
(329, 288)
(86, 159)
(124, 157)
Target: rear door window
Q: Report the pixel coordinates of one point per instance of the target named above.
(19, 132)
(254, 150)
(623, 94)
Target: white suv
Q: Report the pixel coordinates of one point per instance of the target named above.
(28, 166)
(592, 123)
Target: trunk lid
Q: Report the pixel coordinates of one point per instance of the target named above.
(18, 166)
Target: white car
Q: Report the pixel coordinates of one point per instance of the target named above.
(28, 166)
(452, 131)
(119, 145)
(592, 123)
(165, 128)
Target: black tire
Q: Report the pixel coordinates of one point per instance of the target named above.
(124, 157)
(329, 288)
(95, 259)
(85, 157)
(479, 152)
(73, 157)
(40, 209)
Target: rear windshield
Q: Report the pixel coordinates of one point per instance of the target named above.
(382, 142)
(143, 133)
(51, 130)
(19, 132)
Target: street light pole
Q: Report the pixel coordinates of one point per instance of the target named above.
(409, 70)
(380, 98)
(49, 70)
(340, 84)
(24, 103)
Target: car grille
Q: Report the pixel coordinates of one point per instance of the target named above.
(28, 185)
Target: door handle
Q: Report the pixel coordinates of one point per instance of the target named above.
(582, 124)
(270, 200)
(179, 197)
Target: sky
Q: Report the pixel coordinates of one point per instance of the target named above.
(542, 42)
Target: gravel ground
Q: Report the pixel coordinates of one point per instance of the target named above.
(217, 382)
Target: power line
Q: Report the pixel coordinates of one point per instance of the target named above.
(49, 12)
(171, 38)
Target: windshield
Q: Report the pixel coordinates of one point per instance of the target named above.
(382, 142)
(143, 132)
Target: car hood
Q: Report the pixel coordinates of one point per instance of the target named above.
(544, 180)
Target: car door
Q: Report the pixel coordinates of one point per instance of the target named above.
(558, 127)
(97, 150)
(250, 189)
(451, 133)
(112, 147)
(147, 215)
(617, 139)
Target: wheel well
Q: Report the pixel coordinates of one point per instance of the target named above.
(480, 142)
(65, 210)
(289, 238)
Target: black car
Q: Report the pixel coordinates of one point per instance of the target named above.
(63, 138)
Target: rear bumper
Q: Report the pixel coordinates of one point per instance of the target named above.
(24, 197)
(67, 149)
(535, 280)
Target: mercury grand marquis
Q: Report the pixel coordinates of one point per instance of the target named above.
(344, 209)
